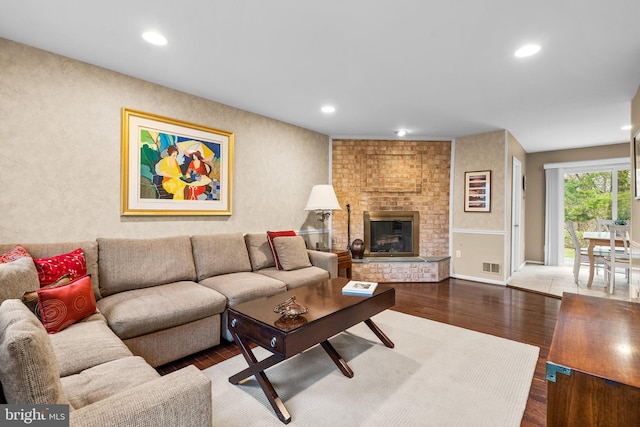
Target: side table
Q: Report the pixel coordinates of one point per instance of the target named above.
(344, 262)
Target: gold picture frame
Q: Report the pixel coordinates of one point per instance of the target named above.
(477, 191)
(172, 167)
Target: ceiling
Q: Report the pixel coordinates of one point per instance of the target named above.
(439, 69)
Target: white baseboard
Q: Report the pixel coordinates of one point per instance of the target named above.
(479, 279)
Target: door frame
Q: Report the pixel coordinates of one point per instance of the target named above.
(517, 184)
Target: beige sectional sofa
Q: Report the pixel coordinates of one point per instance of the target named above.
(158, 300)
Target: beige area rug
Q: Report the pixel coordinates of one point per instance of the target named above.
(437, 375)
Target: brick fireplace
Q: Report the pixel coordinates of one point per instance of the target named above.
(403, 176)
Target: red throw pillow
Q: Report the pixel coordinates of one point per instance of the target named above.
(51, 269)
(272, 235)
(14, 254)
(66, 305)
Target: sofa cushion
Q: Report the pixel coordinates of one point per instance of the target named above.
(259, 251)
(14, 254)
(107, 379)
(168, 345)
(272, 235)
(29, 370)
(86, 344)
(45, 250)
(297, 278)
(292, 252)
(52, 268)
(128, 264)
(241, 287)
(17, 277)
(216, 254)
(143, 311)
(65, 305)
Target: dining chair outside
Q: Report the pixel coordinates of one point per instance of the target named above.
(619, 256)
(603, 224)
(603, 227)
(582, 254)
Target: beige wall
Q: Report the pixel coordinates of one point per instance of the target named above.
(535, 194)
(635, 204)
(635, 130)
(479, 236)
(60, 166)
(477, 153)
(476, 249)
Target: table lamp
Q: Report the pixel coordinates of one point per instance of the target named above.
(322, 200)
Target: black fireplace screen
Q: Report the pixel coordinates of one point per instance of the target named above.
(391, 236)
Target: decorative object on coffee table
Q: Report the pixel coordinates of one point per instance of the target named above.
(357, 249)
(290, 323)
(290, 308)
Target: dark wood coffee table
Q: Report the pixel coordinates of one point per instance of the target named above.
(330, 313)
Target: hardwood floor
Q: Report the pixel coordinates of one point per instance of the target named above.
(514, 314)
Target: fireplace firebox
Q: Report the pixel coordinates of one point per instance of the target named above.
(391, 233)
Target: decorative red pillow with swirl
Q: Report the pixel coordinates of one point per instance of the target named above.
(65, 305)
(53, 268)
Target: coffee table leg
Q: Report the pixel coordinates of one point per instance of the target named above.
(261, 377)
(337, 359)
(376, 330)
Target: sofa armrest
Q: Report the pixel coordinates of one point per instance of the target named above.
(325, 260)
(181, 398)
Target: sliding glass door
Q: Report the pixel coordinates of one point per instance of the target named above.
(591, 195)
(583, 192)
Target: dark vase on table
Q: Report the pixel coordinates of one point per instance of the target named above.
(357, 249)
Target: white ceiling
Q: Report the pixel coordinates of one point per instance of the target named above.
(441, 69)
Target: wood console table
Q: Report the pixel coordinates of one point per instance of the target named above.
(593, 368)
(344, 261)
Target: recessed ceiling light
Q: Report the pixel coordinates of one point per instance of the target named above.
(154, 38)
(327, 109)
(402, 132)
(527, 50)
(626, 127)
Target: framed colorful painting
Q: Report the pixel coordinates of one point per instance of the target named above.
(171, 167)
(477, 191)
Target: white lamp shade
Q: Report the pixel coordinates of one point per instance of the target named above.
(322, 198)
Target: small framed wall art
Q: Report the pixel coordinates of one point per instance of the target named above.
(172, 167)
(477, 191)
